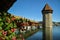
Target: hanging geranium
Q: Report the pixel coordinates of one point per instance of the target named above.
(13, 18)
(13, 29)
(4, 32)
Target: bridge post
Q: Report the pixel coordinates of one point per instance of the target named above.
(47, 22)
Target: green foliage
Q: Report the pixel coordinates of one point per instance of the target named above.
(6, 25)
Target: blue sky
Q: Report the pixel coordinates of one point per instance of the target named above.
(31, 9)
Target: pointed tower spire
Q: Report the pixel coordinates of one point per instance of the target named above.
(47, 8)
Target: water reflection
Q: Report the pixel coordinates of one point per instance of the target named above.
(56, 33)
(38, 35)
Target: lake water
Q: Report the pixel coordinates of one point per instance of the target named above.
(38, 35)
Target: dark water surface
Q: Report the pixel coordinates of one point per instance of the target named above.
(38, 35)
(56, 33)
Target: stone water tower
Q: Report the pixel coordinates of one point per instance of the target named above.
(47, 22)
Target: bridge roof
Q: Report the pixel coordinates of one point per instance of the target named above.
(6, 4)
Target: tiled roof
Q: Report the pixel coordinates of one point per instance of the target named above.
(47, 7)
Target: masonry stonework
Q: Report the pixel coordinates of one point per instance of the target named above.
(47, 22)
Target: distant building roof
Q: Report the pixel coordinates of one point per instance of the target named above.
(6, 4)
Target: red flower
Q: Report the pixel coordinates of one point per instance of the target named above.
(4, 32)
(13, 18)
(14, 38)
(13, 29)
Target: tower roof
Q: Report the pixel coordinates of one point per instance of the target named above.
(47, 7)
